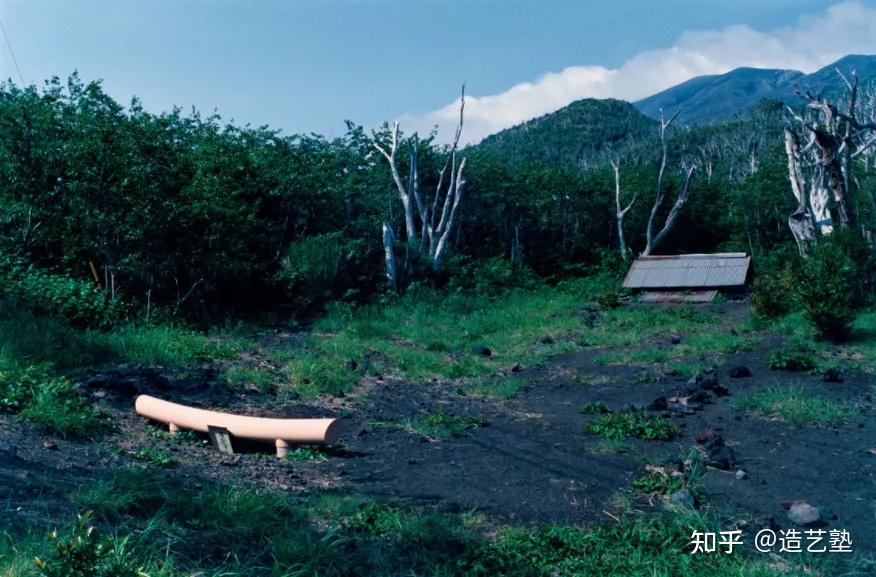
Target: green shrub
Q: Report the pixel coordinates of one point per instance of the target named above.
(826, 290)
(794, 357)
(312, 268)
(772, 291)
(770, 298)
(632, 424)
(491, 277)
(85, 554)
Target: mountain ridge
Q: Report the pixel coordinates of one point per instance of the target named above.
(718, 97)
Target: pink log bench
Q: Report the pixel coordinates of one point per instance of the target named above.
(282, 432)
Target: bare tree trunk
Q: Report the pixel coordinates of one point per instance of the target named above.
(658, 201)
(517, 247)
(620, 212)
(434, 235)
(674, 213)
(390, 258)
(403, 193)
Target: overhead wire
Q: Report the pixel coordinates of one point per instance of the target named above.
(12, 53)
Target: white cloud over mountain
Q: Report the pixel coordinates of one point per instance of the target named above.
(813, 42)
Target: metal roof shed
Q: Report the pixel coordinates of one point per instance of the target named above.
(688, 272)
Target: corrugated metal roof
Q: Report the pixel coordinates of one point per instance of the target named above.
(688, 271)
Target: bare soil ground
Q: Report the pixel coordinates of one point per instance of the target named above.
(533, 461)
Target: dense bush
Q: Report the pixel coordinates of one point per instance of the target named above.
(827, 290)
(77, 301)
(85, 554)
(772, 290)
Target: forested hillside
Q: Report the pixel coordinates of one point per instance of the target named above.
(184, 214)
(581, 134)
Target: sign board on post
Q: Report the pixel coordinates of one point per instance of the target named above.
(220, 438)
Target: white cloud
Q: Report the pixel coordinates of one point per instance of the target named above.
(813, 42)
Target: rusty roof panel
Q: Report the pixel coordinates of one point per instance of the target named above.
(688, 271)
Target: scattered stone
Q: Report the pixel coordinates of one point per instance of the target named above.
(362, 432)
(677, 409)
(97, 381)
(516, 368)
(412, 461)
(802, 513)
(720, 390)
(700, 398)
(832, 376)
(740, 475)
(99, 394)
(740, 372)
(547, 340)
(659, 404)
(682, 498)
(675, 339)
(702, 381)
(352, 364)
(482, 351)
(722, 457)
(706, 436)
(50, 446)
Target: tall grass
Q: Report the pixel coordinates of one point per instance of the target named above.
(27, 338)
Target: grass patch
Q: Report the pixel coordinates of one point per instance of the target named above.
(632, 424)
(306, 454)
(428, 334)
(164, 345)
(503, 388)
(48, 401)
(32, 339)
(442, 426)
(595, 408)
(262, 379)
(154, 456)
(159, 529)
(796, 405)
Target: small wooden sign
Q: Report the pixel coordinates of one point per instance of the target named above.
(220, 438)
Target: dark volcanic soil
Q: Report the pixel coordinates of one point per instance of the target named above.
(534, 462)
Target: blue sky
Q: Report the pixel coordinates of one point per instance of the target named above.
(308, 65)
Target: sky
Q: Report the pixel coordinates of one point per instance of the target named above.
(308, 65)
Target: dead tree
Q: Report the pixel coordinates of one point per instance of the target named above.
(655, 242)
(821, 171)
(620, 212)
(438, 217)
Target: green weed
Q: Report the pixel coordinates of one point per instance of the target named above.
(442, 426)
(632, 424)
